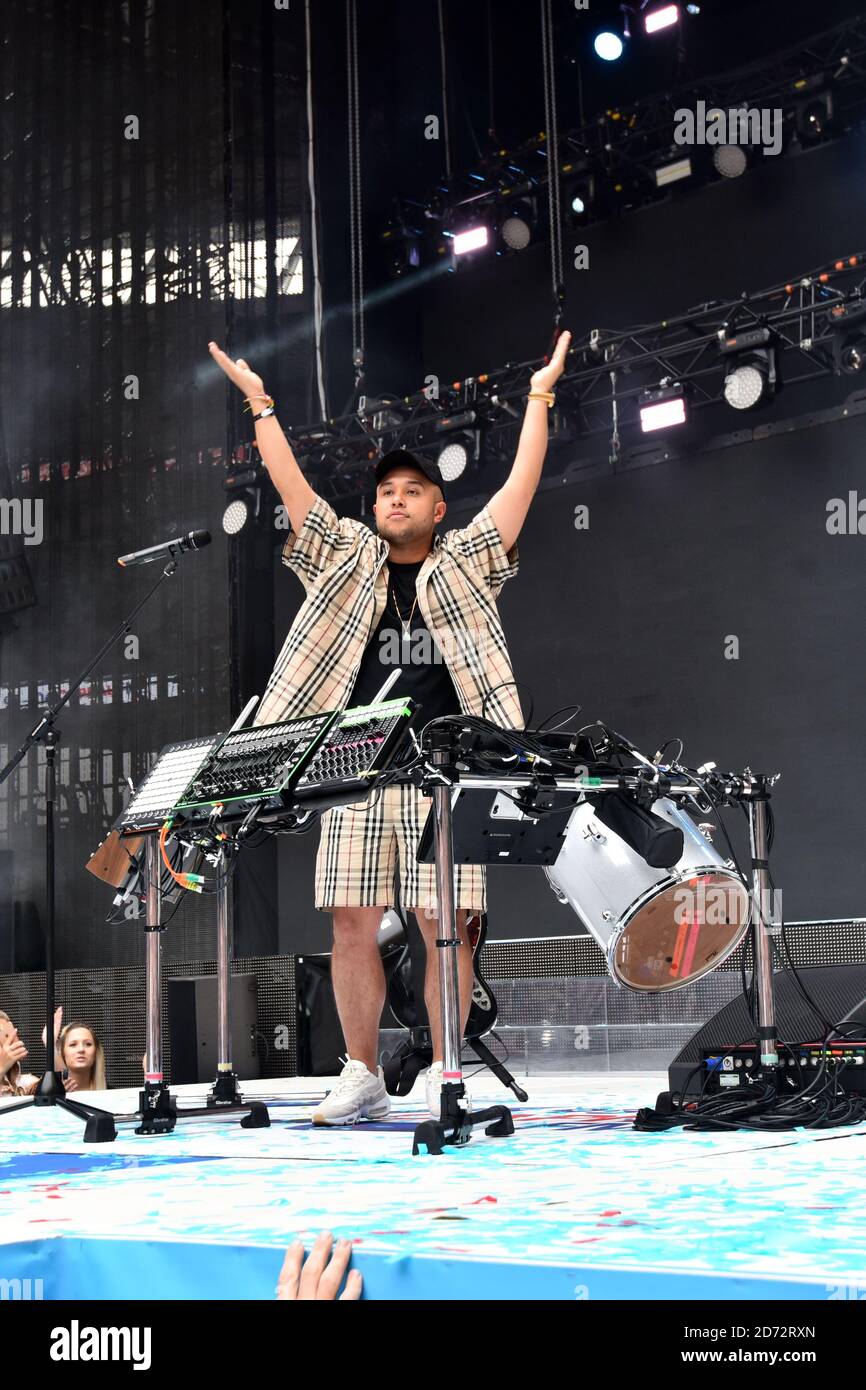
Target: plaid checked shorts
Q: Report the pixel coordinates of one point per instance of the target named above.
(363, 846)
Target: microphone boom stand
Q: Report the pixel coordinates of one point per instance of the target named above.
(99, 1127)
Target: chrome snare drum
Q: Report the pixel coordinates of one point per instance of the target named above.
(660, 929)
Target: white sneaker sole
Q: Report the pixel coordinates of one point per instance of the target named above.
(378, 1111)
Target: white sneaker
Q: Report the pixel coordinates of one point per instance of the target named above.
(357, 1095)
(433, 1089)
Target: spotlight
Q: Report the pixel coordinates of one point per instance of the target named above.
(608, 46)
(672, 173)
(473, 239)
(661, 18)
(402, 248)
(814, 107)
(453, 459)
(462, 446)
(849, 339)
(852, 356)
(730, 161)
(751, 373)
(516, 225)
(516, 233)
(236, 516)
(744, 385)
(579, 196)
(663, 406)
(815, 116)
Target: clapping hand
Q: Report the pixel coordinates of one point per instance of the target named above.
(12, 1050)
(58, 1024)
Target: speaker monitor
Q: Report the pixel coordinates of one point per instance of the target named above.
(839, 991)
(320, 1040)
(192, 1024)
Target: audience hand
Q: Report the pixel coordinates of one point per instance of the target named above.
(320, 1278)
(58, 1024)
(12, 1050)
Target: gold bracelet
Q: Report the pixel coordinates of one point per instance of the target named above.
(542, 396)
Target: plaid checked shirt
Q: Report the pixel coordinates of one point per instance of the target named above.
(341, 563)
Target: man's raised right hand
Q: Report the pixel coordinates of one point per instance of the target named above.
(239, 372)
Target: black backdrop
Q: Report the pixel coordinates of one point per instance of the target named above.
(629, 617)
(632, 617)
(119, 259)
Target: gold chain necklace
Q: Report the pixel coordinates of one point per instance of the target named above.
(404, 623)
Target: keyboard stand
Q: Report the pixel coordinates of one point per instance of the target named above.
(157, 1109)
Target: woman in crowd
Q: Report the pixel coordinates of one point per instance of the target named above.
(82, 1055)
(13, 1082)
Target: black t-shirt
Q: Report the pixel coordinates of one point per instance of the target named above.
(425, 676)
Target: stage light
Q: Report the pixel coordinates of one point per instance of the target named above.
(751, 377)
(849, 340)
(730, 161)
(814, 117)
(663, 407)
(235, 516)
(578, 190)
(403, 249)
(516, 224)
(516, 233)
(852, 356)
(473, 239)
(814, 108)
(672, 173)
(452, 460)
(608, 46)
(744, 386)
(661, 19)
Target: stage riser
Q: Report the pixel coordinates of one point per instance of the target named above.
(546, 989)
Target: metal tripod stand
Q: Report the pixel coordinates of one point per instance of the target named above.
(157, 1109)
(456, 1121)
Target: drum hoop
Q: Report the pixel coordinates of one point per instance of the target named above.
(630, 912)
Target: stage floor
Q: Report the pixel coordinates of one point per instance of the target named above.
(576, 1205)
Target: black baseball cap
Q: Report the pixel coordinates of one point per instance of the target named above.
(401, 458)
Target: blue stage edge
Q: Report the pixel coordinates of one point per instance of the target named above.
(575, 1206)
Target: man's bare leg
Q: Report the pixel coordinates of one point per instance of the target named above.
(358, 978)
(430, 930)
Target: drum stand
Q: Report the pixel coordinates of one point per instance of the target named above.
(225, 1093)
(758, 796)
(456, 1121)
(157, 1109)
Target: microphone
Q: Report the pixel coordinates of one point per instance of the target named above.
(196, 540)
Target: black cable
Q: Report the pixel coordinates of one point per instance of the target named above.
(543, 725)
(518, 685)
